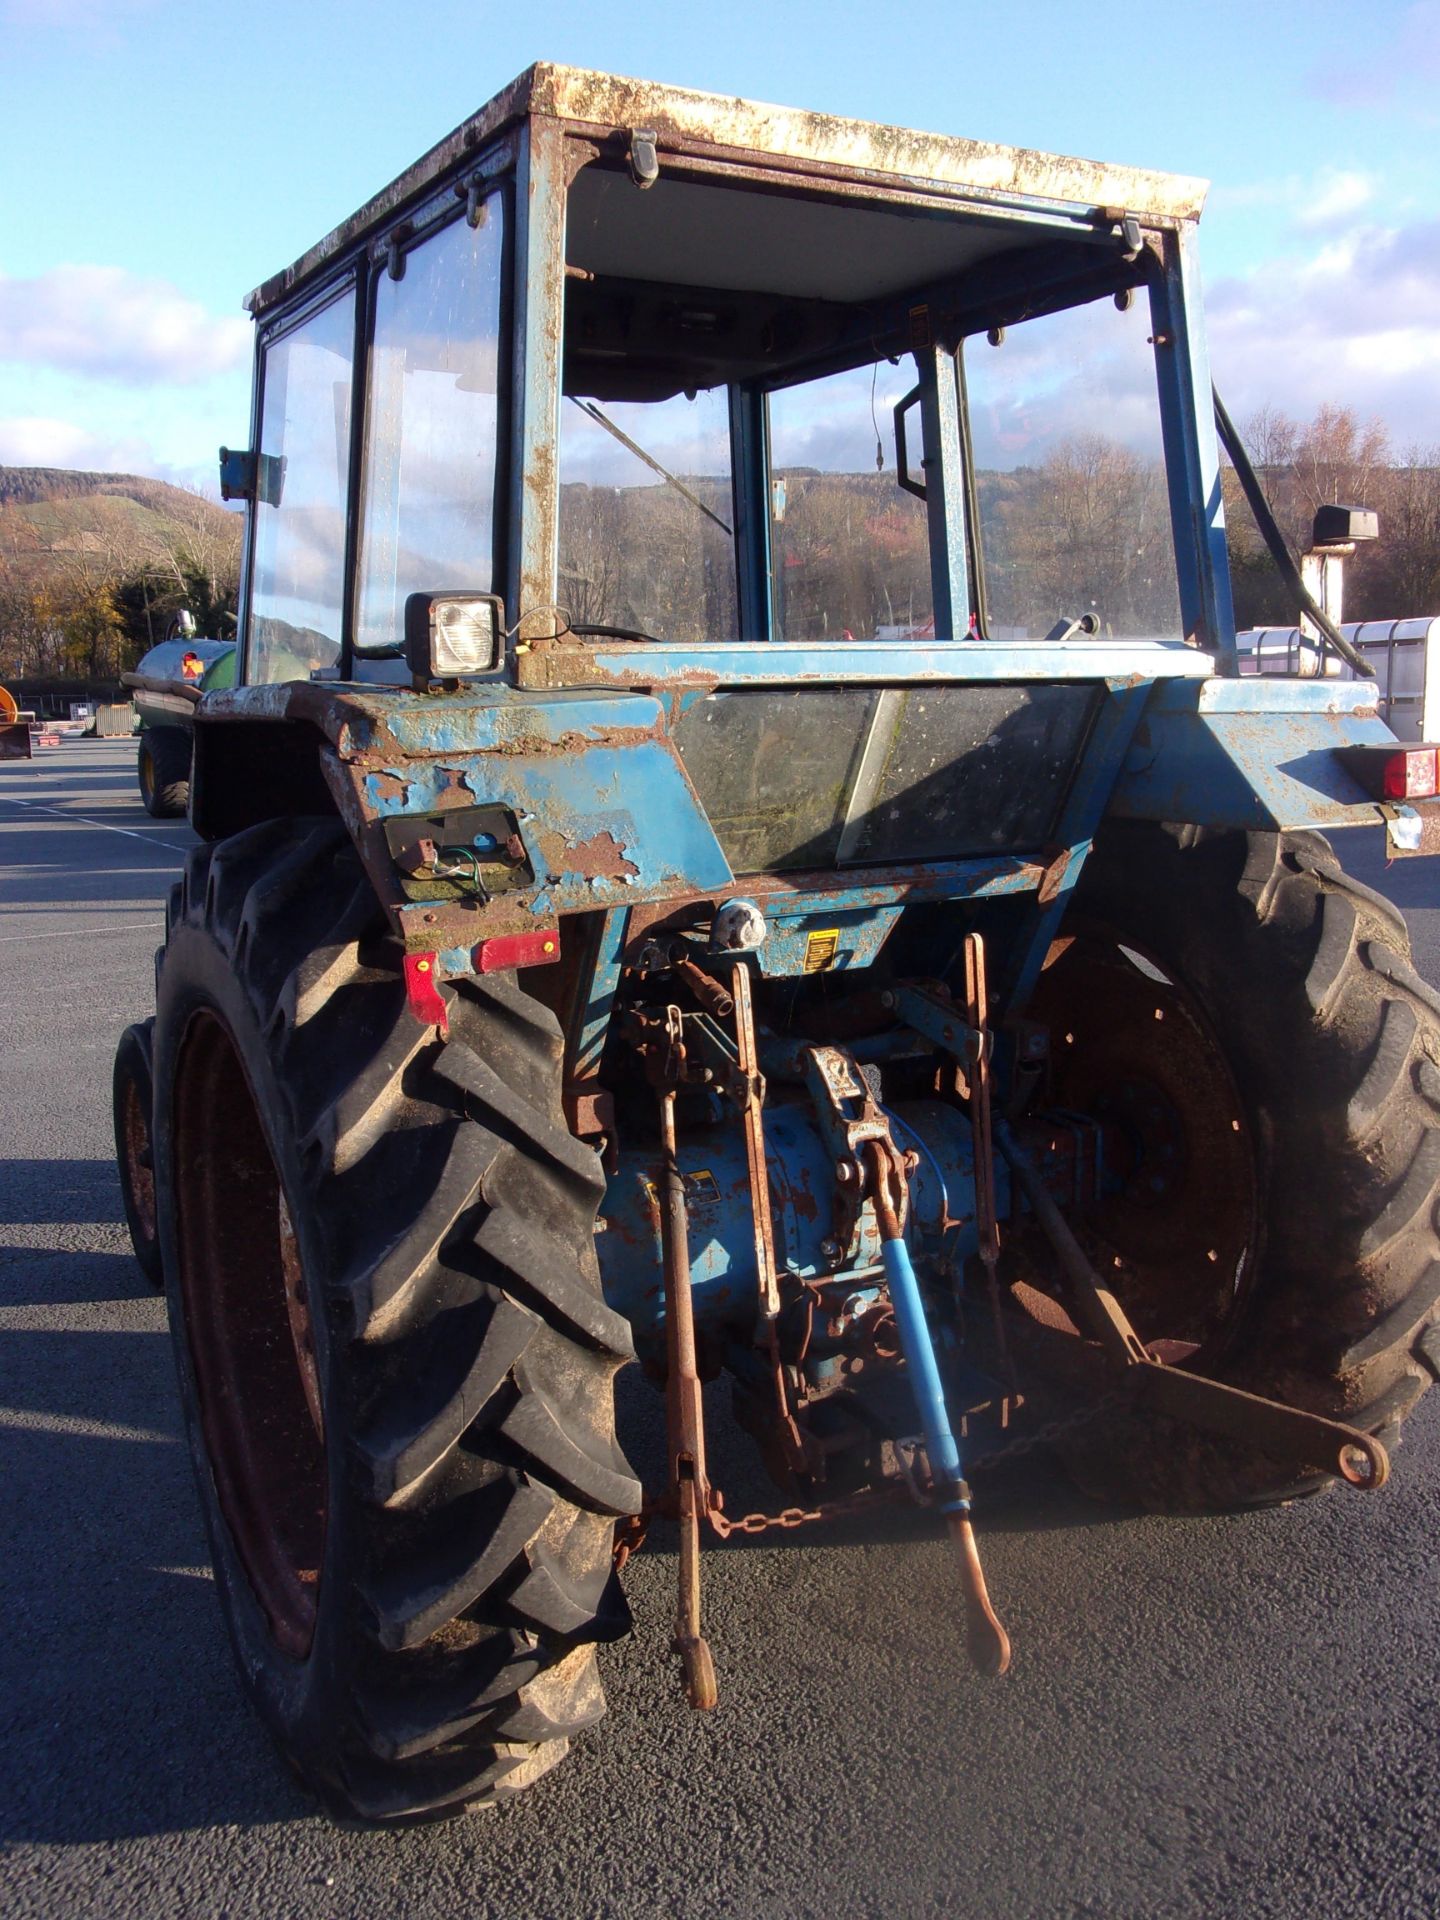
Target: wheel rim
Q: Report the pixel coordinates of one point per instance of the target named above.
(139, 1166)
(1132, 1049)
(249, 1332)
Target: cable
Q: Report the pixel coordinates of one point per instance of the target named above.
(1279, 549)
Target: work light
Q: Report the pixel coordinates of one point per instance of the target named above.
(451, 635)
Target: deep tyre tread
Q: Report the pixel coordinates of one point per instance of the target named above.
(1333, 1039)
(445, 1219)
(163, 771)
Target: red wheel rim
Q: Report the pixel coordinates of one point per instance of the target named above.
(249, 1331)
(1131, 1049)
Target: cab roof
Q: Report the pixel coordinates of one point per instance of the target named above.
(815, 146)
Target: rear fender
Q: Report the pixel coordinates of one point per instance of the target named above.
(604, 807)
(1251, 753)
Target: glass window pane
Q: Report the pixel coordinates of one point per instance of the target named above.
(432, 437)
(774, 769)
(297, 577)
(850, 548)
(646, 539)
(1070, 475)
(969, 770)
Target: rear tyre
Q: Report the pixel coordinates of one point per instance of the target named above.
(396, 1367)
(133, 1104)
(1279, 1086)
(163, 769)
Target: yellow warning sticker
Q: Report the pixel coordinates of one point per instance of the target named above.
(701, 1189)
(820, 948)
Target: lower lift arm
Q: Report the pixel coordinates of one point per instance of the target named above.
(1288, 1433)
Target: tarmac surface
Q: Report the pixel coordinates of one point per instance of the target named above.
(1206, 1717)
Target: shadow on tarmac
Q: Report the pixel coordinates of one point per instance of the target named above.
(52, 1193)
(120, 1714)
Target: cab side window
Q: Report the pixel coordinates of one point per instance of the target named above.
(297, 578)
(432, 439)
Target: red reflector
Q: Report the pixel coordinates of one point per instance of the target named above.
(422, 990)
(517, 950)
(1411, 774)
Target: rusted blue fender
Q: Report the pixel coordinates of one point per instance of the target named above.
(1252, 753)
(606, 810)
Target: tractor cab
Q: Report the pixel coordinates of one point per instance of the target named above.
(666, 372)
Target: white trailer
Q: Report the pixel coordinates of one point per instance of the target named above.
(1405, 655)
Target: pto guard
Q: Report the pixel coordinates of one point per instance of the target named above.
(604, 806)
(1255, 753)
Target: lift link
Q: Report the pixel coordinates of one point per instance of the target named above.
(689, 1487)
(751, 1087)
(987, 1640)
(1288, 1433)
(987, 1220)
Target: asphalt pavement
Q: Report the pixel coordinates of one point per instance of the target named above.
(1206, 1717)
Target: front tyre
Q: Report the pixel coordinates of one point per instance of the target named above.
(133, 1103)
(394, 1361)
(1244, 1020)
(163, 771)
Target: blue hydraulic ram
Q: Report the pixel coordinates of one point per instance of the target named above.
(989, 1643)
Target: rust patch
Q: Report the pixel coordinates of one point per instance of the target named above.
(580, 667)
(601, 857)
(455, 791)
(389, 786)
(535, 746)
(802, 1200)
(1057, 865)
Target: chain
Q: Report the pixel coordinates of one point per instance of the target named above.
(792, 1517)
(1061, 1428)
(789, 1518)
(1047, 1435)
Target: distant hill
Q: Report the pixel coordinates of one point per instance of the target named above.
(53, 520)
(94, 565)
(30, 486)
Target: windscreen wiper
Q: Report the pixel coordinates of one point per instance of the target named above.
(589, 408)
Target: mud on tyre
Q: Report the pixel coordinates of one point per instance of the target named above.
(1247, 1016)
(396, 1368)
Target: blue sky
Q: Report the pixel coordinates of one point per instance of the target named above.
(158, 159)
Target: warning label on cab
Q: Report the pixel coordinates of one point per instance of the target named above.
(820, 949)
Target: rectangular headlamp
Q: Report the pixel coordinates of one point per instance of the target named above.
(449, 636)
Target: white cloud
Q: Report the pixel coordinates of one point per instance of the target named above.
(111, 324)
(1305, 201)
(35, 440)
(1353, 326)
(1335, 196)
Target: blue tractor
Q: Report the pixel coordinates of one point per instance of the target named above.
(740, 842)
